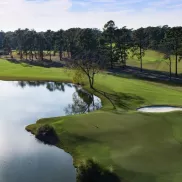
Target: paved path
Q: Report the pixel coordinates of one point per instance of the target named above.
(148, 74)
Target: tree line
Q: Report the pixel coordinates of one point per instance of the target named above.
(111, 45)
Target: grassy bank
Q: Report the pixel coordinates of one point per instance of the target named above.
(154, 60)
(138, 147)
(16, 71)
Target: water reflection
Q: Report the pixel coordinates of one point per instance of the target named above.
(22, 158)
(83, 102)
(51, 86)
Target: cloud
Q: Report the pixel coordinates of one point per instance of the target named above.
(165, 3)
(160, 3)
(56, 14)
(34, 14)
(106, 5)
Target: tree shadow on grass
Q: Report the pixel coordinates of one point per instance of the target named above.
(173, 82)
(128, 101)
(44, 63)
(75, 139)
(125, 101)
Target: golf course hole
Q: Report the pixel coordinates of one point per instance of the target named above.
(159, 109)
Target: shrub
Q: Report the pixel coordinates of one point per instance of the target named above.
(78, 77)
(91, 171)
(47, 134)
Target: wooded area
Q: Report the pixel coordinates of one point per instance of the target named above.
(113, 44)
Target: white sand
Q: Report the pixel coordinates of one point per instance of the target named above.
(159, 109)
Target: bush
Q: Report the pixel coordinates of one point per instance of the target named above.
(93, 172)
(78, 77)
(47, 134)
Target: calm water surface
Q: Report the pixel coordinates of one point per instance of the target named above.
(22, 157)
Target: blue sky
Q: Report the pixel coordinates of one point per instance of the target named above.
(119, 5)
(128, 5)
(56, 14)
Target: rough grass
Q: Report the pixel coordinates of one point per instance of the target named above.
(154, 60)
(138, 147)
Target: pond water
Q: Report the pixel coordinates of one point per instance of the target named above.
(22, 157)
(159, 109)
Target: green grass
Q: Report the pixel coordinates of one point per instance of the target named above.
(139, 147)
(24, 71)
(154, 60)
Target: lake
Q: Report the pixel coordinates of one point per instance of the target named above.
(22, 157)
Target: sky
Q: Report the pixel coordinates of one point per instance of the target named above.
(63, 14)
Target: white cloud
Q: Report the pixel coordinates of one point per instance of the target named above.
(81, 3)
(56, 14)
(175, 6)
(31, 14)
(160, 3)
(164, 3)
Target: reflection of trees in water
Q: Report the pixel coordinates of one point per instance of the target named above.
(83, 102)
(51, 86)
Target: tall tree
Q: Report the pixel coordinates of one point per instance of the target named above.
(26, 42)
(155, 36)
(174, 37)
(6, 44)
(20, 41)
(88, 40)
(166, 48)
(139, 45)
(122, 44)
(49, 40)
(89, 63)
(59, 36)
(32, 46)
(108, 33)
(40, 44)
(72, 37)
(89, 59)
(2, 35)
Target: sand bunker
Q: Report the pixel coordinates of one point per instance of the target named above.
(159, 109)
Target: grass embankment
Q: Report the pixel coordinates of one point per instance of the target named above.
(139, 147)
(16, 71)
(154, 60)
